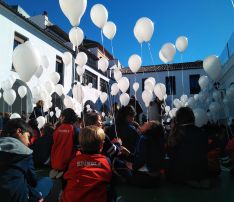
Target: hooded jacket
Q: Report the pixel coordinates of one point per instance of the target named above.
(17, 174)
(87, 178)
(63, 147)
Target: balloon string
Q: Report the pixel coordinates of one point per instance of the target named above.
(169, 85)
(232, 3)
(147, 114)
(142, 57)
(181, 59)
(21, 106)
(103, 49)
(152, 59)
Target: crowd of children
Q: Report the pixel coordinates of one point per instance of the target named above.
(88, 158)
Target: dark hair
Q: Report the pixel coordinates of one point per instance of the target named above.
(184, 115)
(91, 118)
(48, 129)
(124, 113)
(33, 123)
(12, 125)
(156, 129)
(69, 116)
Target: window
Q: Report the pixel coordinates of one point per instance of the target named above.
(89, 77)
(18, 39)
(143, 84)
(170, 85)
(103, 85)
(194, 86)
(59, 69)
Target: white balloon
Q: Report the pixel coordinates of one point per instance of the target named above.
(103, 64)
(172, 113)
(201, 117)
(7, 84)
(9, 96)
(39, 71)
(168, 51)
(135, 86)
(181, 43)
(162, 58)
(177, 103)
(149, 84)
(145, 29)
(212, 66)
(41, 121)
(45, 61)
(58, 113)
(114, 89)
(54, 77)
(160, 91)
(51, 114)
(214, 107)
(81, 59)
(73, 10)
(196, 97)
(136, 34)
(103, 114)
(109, 30)
(124, 99)
(22, 91)
(90, 85)
(80, 70)
(59, 89)
(217, 96)
(99, 15)
(15, 116)
(67, 58)
(134, 63)
(191, 103)
(147, 97)
(117, 75)
(26, 60)
(68, 102)
(76, 36)
(167, 109)
(49, 86)
(78, 93)
(203, 82)
(184, 98)
(103, 97)
(123, 84)
(12, 79)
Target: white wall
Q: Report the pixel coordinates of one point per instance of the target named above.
(11, 23)
(160, 78)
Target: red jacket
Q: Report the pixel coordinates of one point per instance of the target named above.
(63, 147)
(87, 179)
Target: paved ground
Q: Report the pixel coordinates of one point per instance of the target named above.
(222, 191)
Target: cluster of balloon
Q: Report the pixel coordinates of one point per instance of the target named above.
(74, 10)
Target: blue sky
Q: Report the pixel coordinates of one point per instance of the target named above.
(208, 24)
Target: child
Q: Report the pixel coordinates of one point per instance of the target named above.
(89, 173)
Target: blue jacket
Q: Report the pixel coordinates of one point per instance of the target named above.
(17, 176)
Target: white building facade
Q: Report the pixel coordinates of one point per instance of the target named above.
(179, 79)
(51, 41)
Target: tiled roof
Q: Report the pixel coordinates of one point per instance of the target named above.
(166, 67)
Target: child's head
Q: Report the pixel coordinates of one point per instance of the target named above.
(68, 116)
(19, 129)
(91, 139)
(93, 118)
